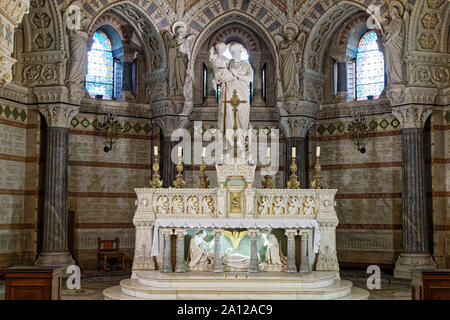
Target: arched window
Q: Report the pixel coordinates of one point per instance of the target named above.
(365, 74)
(100, 74)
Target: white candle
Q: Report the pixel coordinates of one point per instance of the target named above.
(203, 152)
(155, 150)
(318, 152)
(268, 152)
(180, 151)
(294, 152)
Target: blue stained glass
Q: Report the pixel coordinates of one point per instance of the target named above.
(369, 67)
(100, 71)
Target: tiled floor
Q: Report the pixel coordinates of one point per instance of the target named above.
(93, 284)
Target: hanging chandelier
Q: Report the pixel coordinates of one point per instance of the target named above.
(358, 132)
(110, 129)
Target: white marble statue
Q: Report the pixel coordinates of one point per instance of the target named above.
(200, 254)
(393, 40)
(235, 261)
(274, 256)
(290, 46)
(236, 79)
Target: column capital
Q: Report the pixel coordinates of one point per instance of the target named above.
(169, 124)
(296, 126)
(166, 232)
(304, 232)
(180, 232)
(290, 233)
(412, 116)
(58, 115)
(253, 233)
(217, 232)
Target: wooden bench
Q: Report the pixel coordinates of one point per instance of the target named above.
(106, 250)
(430, 284)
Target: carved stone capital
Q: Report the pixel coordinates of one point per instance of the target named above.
(169, 124)
(290, 233)
(217, 233)
(58, 115)
(180, 232)
(166, 232)
(296, 126)
(304, 232)
(253, 233)
(412, 116)
(402, 95)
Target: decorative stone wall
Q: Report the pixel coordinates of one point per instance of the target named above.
(101, 185)
(19, 159)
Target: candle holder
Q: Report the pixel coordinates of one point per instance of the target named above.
(293, 182)
(203, 182)
(268, 181)
(179, 181)
(156, 182)
(316, 183)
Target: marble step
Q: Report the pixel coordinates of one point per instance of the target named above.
(340, 288)
(204, 280)
(115, 293)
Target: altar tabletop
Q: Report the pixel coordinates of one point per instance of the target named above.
(235, 224)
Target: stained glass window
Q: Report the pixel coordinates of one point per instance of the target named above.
(100, 72)
(369, 68)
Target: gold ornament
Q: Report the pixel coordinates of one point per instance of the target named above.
(203, 182)
(156, 182)
(316, 183)
(293, 182)
(179, 181)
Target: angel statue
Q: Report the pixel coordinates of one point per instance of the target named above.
(394, 38)
(274, 256)
(179, 45)
(290, 46)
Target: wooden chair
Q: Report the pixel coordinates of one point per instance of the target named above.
(108, 249)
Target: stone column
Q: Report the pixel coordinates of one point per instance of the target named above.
(168, 125)
(291, 267)
(304, 261)
(127, 74)
(341, 81)
(258, 100)
(218, 265)
(54, 244)
(295, 130)
(167, 250)
(254, 262)
(415, 251)
(181, 263)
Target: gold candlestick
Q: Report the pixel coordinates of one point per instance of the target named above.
(179, 181)
(293, 182)
(316, 183)
(156, 182)
(268, 182)
(203, 182)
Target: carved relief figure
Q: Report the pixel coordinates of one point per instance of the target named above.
(309, 206)
(76, 71)
(177, 205)
(264, 205)
(293, 205)
(393, 40)
(274, 256)
(200, 253)
(192, 205)
(290, 46)
(208, 205)
(279, 205)
(162, 205)
(179, 46)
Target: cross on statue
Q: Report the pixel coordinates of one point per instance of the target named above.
(234, 102)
